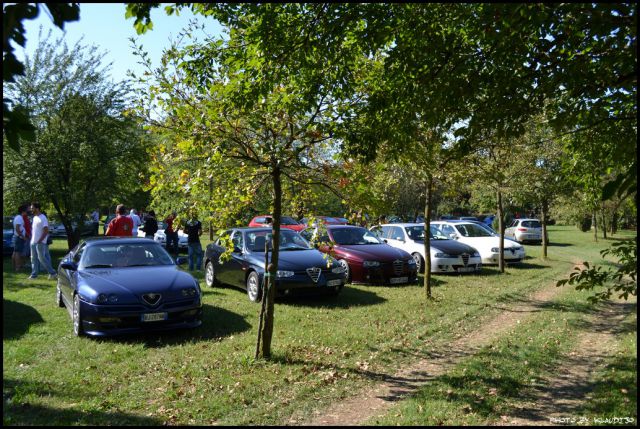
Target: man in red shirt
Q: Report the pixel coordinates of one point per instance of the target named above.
(171, 234)
(121, 225)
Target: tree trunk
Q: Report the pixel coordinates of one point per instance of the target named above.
(604, 223)
(545, 207)
(614, 222)
(269, 290)
(500, 232)
(427, 241)
(262, 306)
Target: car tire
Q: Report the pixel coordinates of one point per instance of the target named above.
(254, 291)
(419, 261)
(77, 317)
(59, 300)
(345, 267)
(210, 275)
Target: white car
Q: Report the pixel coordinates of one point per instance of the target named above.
(482, 240)
(161, 237)
(522, 230)
(447, 256)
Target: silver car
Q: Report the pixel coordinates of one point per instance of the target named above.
(522, 230)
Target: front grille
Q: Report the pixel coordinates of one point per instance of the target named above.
(398, 267)
(465, 258)
(314, 273)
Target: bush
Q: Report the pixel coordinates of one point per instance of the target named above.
(585, 224)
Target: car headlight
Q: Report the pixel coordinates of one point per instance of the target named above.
(495, 250)
(337, 270)
(103, 298)
(282, 274)
(444, 255)
(189, 292)
(369, 264)
(411, 261)
(475, 254)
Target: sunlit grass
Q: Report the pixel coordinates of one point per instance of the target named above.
(324, 348)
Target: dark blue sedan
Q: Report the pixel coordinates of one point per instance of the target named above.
(113, 285)
(301, 268)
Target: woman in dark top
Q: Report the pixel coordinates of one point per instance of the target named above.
(150, 225)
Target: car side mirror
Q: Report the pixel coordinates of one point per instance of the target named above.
(385, 240)
(68, 264)
(181, 260)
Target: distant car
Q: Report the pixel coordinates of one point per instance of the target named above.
(56, 229)
(117, 285)
(7, 235)
(525, 230)
(485, 242)
(327, 220)
(285, 222)
(365, 258)
(161, 237)
(301, 268)
(447, 256)
(473, 218)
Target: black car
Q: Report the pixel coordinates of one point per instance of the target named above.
(301, 268)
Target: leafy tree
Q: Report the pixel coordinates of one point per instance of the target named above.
(16, 124)
(75, 166)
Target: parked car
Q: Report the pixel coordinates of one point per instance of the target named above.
(116, 285)
(365, 258)
(482, 240)
(327, 220)
(525, 230)
(472, 218)
(285, 222)
(56, 229)
(161, 237)
(301, 268)
(7, 235)
(447, 256)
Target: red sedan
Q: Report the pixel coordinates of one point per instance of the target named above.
(365, 258)
(285, 222)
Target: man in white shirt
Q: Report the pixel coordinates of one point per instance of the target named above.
(136, 222)
(39, 248)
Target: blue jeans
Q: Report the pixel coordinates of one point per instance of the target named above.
(40, 257)
(195, 255)
(172, 242)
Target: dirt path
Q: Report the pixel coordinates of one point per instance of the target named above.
(377, 400)
(558, 402)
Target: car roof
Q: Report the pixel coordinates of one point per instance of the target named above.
(403, 224)
(529, 218)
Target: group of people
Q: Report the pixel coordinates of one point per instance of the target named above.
(124, 225)
(31, 238)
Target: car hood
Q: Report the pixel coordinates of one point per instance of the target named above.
(374, 252)
(295, 260)
(451, 247)
(134, 280)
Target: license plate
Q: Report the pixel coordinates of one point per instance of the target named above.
(466, 269)
(396, 280)
(153, 317)
(334, 282)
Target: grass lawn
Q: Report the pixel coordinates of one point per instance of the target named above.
(324, 348)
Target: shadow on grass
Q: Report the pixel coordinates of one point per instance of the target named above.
(17, 318)
(552, 244)
(217, 323)
(347, 298)
(19, 414)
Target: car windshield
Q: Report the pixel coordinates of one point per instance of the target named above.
(354, 236)
(416, 233)
(289, 240)
(531, 224)
(111, 255)
(286, 220)
(472, 230)
(436, 234)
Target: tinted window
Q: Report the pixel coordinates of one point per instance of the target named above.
(416, 233)
(145, 253)
(353, 236)
(531, 224)
(286, 220)
(396, 233)
(472, 230)
(289, 240)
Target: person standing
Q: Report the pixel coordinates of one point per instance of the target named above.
(19, 239)
(150, 225)
(95, 221)
(193, 229)
(121, 225)
(136, 222)
(171, 234)
(39, 248)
